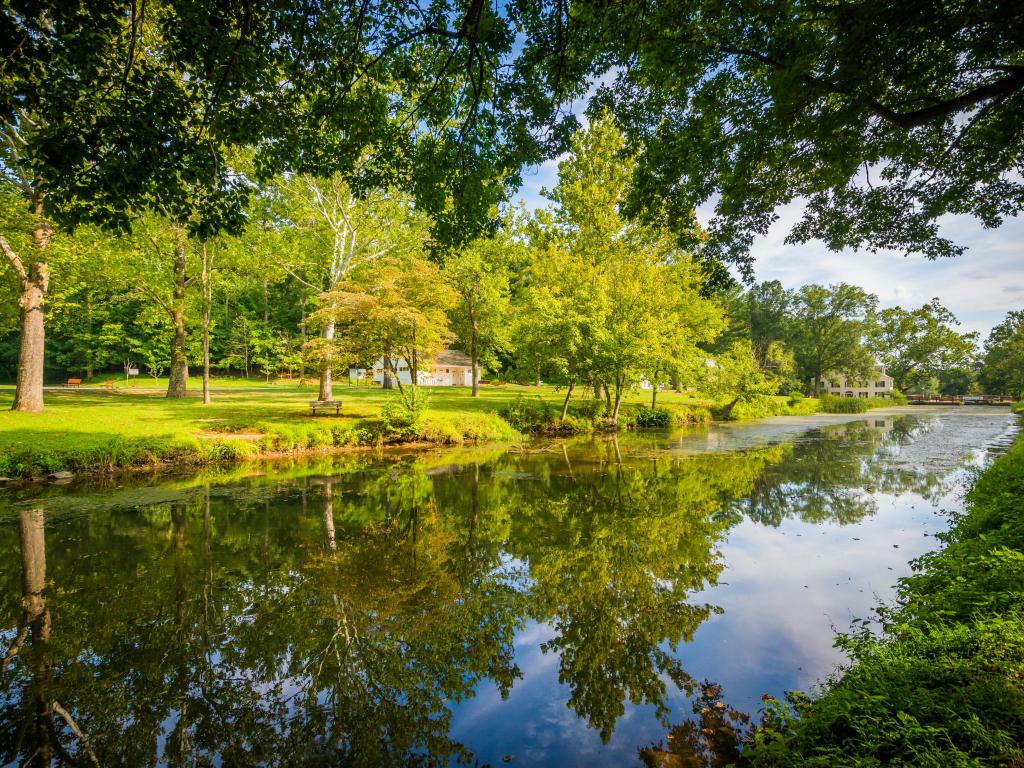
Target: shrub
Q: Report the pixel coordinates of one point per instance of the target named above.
(831, 404)
(651, 417)
(530, 414)
(590, 410)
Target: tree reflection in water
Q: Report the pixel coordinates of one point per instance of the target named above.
(335, 617)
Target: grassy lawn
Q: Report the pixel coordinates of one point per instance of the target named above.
(90, 416)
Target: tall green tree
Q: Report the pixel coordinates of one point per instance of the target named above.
(636, 295)
(479, 273)
(829, 326)
(1002, 366)
(920, 343)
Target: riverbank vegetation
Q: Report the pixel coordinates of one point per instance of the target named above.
(96, 429)
(940, 683)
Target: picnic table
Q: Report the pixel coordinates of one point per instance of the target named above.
(325, 405)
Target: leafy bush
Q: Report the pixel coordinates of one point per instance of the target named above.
(458, 428)
(773, 405)
(589, 410)
(651, 417)
(831, 404)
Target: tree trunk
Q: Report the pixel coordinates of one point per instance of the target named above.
(177, 385)
(727, 411)
(326, 375)
(618, 402)
(476, 364)
(386, 382)
(565, 403)
(90, 355)
(28, 396)
(302, 331)
(654, 396)
(207, 307)
(607, 400)
(597, 390)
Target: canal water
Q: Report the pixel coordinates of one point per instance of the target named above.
(561, 603)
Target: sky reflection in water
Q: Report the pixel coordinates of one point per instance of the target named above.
(558, 605)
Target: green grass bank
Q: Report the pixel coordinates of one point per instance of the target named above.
(942, 683)
(99, 428)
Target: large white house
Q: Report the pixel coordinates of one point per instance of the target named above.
(880, 384)
(450, 368)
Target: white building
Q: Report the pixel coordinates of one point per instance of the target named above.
(450, 368)
(880, 384)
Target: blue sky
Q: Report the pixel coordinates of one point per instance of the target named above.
(980, 287)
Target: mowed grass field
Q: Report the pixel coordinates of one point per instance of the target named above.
(89, 416)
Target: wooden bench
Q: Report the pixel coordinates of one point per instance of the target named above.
(73, 383)
(326, 405)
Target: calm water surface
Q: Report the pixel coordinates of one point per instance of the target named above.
(559, 604)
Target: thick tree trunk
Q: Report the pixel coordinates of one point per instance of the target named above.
(727, 411)
(34, 281)
(177, 385)
(565, 403)
(386, 382)
(618, 402)
(473, 351)
(28, 395)
(327, 374)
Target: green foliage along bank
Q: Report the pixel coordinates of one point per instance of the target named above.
(943, 683)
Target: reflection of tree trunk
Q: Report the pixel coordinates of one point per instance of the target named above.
(178, 382)
(568, 463)
(33, 563)
(329, 515)
(618, 452)
(326, 374)
(179, 518)
(37, 619)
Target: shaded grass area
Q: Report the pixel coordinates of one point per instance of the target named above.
(93, 428)
(943, 684)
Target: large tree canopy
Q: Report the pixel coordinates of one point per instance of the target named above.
(881, 116)
(114, 104)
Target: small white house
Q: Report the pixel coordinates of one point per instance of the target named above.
(450, 368)
(880, 384)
